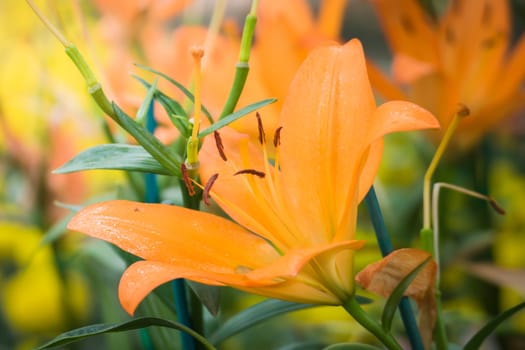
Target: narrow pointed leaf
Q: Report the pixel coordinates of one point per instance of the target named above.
(114, 157)
(146, 103)
(475, 342)
(397, 294)
(209, 296)
(259, 313)
(236, 115)
(165, 156)
(56, 231)
(174, 109)
(178, 86)
(133, 324)
(171, 106)
(351, 346)
(253, 315)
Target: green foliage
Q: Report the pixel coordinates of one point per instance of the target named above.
(351, 346)
(396, 296)
(133, 324)
(113, 157)
(476, 341)
(236, 115)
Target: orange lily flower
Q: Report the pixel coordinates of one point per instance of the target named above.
(464, 57)
(294, 236)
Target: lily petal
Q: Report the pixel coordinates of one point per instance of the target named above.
(163, 233)
(143, 277)
(325, 119)
(391, 117)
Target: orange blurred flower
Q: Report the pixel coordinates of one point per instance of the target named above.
(295, 233)
(464, 57)
(284, 27)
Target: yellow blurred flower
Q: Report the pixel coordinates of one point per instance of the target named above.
(35, 299)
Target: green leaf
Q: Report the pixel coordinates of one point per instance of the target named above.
(146, 103)
(56, 231)
(236, 115)
(115, 157)
(172, 108)
(475, 342)
(178, 86)
(254, 315)
(165, 156)
(394, 299)
(209, 296)
(351, 346)
(258, 313)
(133, 324)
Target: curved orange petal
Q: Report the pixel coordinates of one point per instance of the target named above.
(325, 119)
(163, 233)
(144, 276)
(391, 117)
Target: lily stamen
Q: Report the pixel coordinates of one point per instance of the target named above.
(220, 146)
(251, 172)
(187, 180)
(207, 188)
(262, 136)
(277, 137)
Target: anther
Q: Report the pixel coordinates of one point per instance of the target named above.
(262, 137)
(496, 206)
(220, 146)
(463, 111)
(207, 188)
(187, 180)
(277, 137)
(251, 172)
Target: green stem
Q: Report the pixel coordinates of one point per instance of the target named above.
(242, 67)
(354, 309)
(440, 334)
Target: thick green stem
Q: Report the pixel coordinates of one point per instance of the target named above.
(354, 309)
(242, 67)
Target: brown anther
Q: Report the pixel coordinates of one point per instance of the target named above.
(187, 180)
(463, 111)
(496, 206)
(220, 147)
(277, 137)
(207, 188)
(251, 172)
(262, 137)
